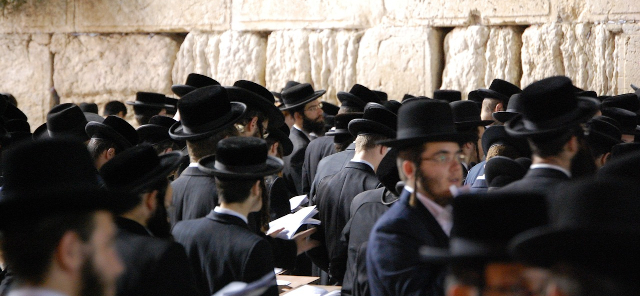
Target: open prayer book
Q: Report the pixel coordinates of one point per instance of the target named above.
(297, 202)
(307, 290)
(292, 222)
(251, 289)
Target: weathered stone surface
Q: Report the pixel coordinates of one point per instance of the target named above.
(503, 55)
(627, 54)
(288, 58)
(465, 62)
(37, 16)
(308, 14)
(151, 16)
(467, 12)
(400, 60)
(541, 54)
(116, 65)
(25, 72)
(600, 10)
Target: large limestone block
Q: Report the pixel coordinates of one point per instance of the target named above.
(226, 57)
(599, 10)
(465, 62)
(151, 16)
(541, 54)
(308, 14)
(92, 65)
(288, 58)
(38, 16)
(467, 12)
(503, 55)
(627, 63)
(26, 71)
(400, 60)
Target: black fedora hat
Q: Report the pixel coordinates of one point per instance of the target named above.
(624, 162)
(628, 120)
(66, 120)
(447, 95)
(137, 168)
(377, 120)
(358, 97)
(483, 225)
(392, 105)
(602, 132)
(383, 96)
(241, 158)
(500, 171)
(514, 107)
(156, 131)
(12, 112)
(194, 80)
(288, 85)
(622, 149)
(281, 135)
(342, 123)
(499, 89)
(150, 100)
(40, 132)
(18, 130)
(49, 176)
(496, 134)
(173, 102)
(299, 95)
(424, 121)
(330, 109)
(387, 171)
(466, 115)
(594, 224)
(115, 129)
(550, 106)
(625, 101)
(90, 116)
(89, 107)
(205, 112)
(255, 96)
(406, 97)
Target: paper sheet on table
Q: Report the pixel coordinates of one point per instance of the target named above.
(298, 201)
(292, 222)
(251, 289)
(307, 290)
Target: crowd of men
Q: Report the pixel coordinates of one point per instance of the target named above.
(510, 192)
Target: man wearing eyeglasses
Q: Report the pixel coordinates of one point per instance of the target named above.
(428, 162)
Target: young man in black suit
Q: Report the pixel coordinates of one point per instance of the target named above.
(155, 264)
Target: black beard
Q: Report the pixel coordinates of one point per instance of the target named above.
(158, 223)
(583, 164)
(425, 183)
(312, 126)
(92, 285)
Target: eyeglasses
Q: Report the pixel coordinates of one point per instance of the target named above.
(445, 157)
(314, 107)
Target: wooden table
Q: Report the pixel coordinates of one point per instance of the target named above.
(296, 281)
(328, 288)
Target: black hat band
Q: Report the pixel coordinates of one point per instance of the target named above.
(239, 168)
(207, 126)
(551, 123)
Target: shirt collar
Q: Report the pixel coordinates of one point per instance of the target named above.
(193, 165)
(365, 162)
(550, 166)
(305, 133)
(220, 210)
(441, 214)
(27, 291)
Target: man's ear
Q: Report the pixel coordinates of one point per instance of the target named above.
(253, 124)
(572, 145)
(461, 290)
(69, 255)
(150, 200)
(499, 107)
(408, 168)
(111, 152)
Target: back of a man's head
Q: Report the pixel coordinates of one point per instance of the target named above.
(114, 108)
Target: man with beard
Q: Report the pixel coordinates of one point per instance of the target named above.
(555, 135)
(58, 234)
(155, 265)
(428, 160)
(304, 103)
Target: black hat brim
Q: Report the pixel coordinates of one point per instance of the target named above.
(178, 133)
(360, 126)
(254, 100)
(587, 107)
(316, 94)
(272, 166)
(153, 133)
(345, 96)
(93, 117)
(470, 124)
(466, 256)
(168, 162)
(93, 128)
(337, 132)
(489, 93)
(504, 116)
(150, 105)
(419, 140)
(181, 90)
(285, 142)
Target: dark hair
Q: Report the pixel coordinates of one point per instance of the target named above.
(552, 144)
(98, 145)
(29, 246)
(130, 200)
(143, 113)
(367, 142)
(251, 113)
(271, 141)
(207, 146)
(299, 109)
(163, 145)
(414, 155)
(234, 190)
(113, 108)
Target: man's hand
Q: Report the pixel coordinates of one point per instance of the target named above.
(304, 242)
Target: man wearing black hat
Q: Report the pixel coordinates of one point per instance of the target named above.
(156, 134)
(57, 230)
(108, 138)
(148, 104)
(336, 192)
(429, 162)
(305, 106)
(495, 98)
(155, 265)
(116, 108)
(628, 121)
(261, 111)
(554, 134)
(220, 246)
(279, 146)
(66, 120)
(466, 116)
(601, 136)
(193, 82)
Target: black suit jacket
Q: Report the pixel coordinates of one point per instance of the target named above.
(194, 195)
(393, 251)
(540, 180)
(330, 165)
(316, 151)
(333, 199)
(292, 171)
(222, 249)
(153, 266)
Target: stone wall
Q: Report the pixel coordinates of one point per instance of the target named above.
(100, 50)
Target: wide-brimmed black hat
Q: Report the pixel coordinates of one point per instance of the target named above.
(115, 129)
(241, 158)
(500, 171)
(550, 106)
(594, 224)
(496, 134)
(483, 225)
(194, 81)
(281, 135)
(424, 121)
(330, 109)
(288, 85)
(628, 120)
(49, 176)
(393, 106)
(625, 101)
(299, 95)
(12, 112)
(173, 102)
(90, 116)
(376, 120)
(150, 100)
(66, 120)
(387, 171)
(602, 132)
(466, 115)
(447, 95)
(137, 168)
(205, 112)
(18, 130)
(358, 97)
(89, 107)
(342, 123)
(499, 89)
(156, 131)
(383, 96)
(255, 96)
(514, 108)
(622, 149)
(475, 97)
